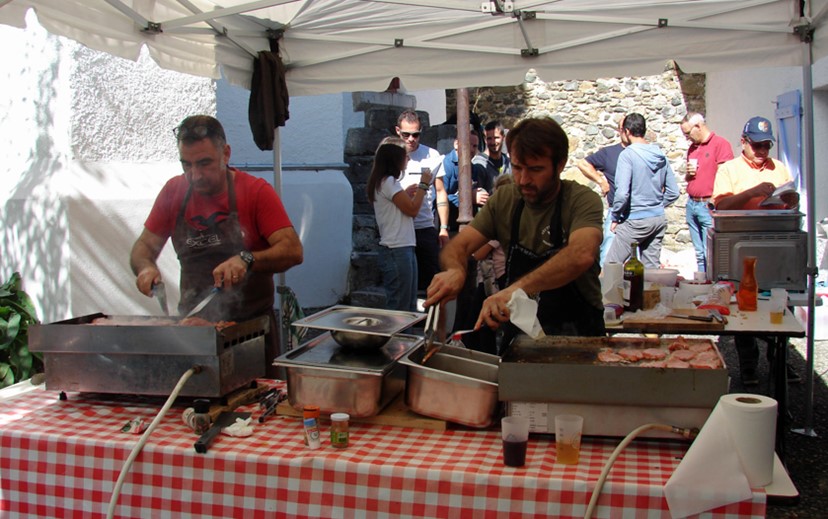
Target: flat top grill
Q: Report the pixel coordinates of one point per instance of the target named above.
(141, 335)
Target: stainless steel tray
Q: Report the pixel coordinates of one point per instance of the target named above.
(372, 321)
(324, 352)
(323, 373)
(757, 220)
(455, 384)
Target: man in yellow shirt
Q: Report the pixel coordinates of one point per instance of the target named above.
(742, 183)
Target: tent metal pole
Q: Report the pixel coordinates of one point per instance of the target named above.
(810, 178)
(277, 184)
(464, 176)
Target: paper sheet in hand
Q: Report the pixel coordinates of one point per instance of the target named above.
(523, 312)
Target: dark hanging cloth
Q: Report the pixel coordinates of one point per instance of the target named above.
(269, 98)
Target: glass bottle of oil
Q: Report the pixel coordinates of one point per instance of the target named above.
(633, 282)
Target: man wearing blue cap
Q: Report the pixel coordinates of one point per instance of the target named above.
(743, 183)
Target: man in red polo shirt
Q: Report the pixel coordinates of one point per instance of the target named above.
(707, 150)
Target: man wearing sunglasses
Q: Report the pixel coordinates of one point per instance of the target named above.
(743, 183)
(707, 150)
(429, 239)
(229, 230)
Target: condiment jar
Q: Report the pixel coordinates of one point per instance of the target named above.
(339, 430)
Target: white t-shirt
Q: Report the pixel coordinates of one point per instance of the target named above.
(396, 229)
(423, 157)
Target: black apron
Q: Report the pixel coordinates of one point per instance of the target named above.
(563, 310)
(201, 251)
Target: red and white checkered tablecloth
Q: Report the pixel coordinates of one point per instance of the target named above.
(62, 459)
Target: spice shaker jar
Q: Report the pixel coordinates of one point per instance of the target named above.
(310, 411)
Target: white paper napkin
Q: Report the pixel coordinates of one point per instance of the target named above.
(239, 429)
(523, 312)
(612, 279)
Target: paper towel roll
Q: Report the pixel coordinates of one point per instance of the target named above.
(751, 420)
(733, 452)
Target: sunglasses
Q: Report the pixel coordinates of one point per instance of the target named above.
(406, 135)
(760, 145)
(195, 133)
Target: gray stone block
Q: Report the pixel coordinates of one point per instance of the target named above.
(359, 169)
(369, 297)
(363, 141)
(382, 118)
(364, 101)
(364, 270)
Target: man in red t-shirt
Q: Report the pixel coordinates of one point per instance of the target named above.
(707, 150)
(229, 230)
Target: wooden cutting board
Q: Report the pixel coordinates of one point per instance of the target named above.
(395, 413)
(673, 324)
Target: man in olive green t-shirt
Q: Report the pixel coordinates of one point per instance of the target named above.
(551, 232)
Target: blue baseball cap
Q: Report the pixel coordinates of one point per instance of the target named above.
(758, 129)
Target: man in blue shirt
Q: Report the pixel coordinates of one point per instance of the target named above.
(482, 185)
(600, 168)
(644, 185)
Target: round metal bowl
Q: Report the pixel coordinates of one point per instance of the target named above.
(358, 340)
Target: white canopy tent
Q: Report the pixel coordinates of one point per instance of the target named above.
(332, 46)
(350, 45)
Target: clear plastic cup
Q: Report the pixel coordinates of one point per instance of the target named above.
(778, 303)
(666, 295)
(568, 429)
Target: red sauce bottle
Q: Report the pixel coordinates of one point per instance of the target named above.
(748, 293)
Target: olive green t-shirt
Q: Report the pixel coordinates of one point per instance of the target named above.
(581, 208)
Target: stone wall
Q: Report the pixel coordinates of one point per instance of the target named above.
(589, 111)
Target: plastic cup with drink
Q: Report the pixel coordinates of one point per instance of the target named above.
(778, 303)
(515, 434)
(568, 429)
(692, 165)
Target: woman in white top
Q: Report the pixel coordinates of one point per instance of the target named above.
(395, 211)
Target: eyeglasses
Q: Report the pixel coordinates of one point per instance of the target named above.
(406, 135)
(760, 145)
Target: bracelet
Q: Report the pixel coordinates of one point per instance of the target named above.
(442, 204)
(444, 227)
(423, 186)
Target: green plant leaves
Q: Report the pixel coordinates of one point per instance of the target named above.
(16, 314)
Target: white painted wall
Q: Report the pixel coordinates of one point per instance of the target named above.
(87, 144)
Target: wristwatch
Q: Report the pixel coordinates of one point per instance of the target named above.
(248, 258)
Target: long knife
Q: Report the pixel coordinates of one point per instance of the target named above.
(160, 293)
(204, 302)
(705, 318)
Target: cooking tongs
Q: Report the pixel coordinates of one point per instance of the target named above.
(431, 330)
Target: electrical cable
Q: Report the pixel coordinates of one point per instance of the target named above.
(593, 501)
(116, 492)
